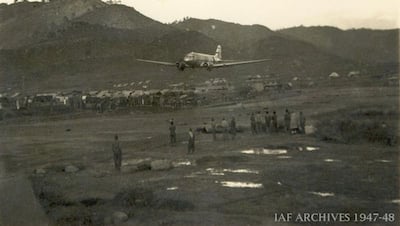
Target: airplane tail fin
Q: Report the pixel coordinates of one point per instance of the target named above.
(218, 53)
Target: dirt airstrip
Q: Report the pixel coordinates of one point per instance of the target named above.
(245, 181)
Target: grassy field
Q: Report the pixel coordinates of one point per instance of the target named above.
(282, 173)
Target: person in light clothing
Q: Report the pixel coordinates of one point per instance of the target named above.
(191, 141)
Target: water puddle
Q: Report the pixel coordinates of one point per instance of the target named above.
(215, 172)
(194, 174)
(322, 194)
(312, 148)
(172, 189)
(331, 160)
(264, 151)
(242, 171)
(235, 184)
(395, 201)
(130, 162)
(182, 163)
(284, 157)
(383, 161)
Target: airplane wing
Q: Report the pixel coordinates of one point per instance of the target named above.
(228, 64)
(157, 62)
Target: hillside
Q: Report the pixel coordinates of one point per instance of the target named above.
(87, 44)
(363, 45)
(35, 25)
(300, 58)
(232, 35)
(16, 10)
(122, 17)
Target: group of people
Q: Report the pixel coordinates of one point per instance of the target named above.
(172, 137)
(228, 129)
(266, 123)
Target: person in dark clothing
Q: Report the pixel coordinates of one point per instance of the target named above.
(267, 122)
(232, 128)
(214, 129)
(117, 153)
(191, 141)
(259, 122)
(287, 121)
(253, 124)
(172, 133)
(275, 122)
(302, 120)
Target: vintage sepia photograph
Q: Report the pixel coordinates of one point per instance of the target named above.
(199, 113)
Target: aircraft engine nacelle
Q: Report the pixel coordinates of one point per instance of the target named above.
(207, 65)
(181, 66)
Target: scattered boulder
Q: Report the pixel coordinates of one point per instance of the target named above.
(39, 171)
(161, 165)
(119, 217)
(71, 169)
(334, 75)
(353, 73)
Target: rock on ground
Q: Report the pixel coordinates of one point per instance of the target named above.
(71, 169)
(40, 171)
(119, 217)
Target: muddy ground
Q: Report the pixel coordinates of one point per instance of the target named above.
(245, 181)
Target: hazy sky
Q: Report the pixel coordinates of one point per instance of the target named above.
(275, 14)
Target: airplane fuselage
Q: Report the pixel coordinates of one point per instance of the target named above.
(201, 60)
(194, 60)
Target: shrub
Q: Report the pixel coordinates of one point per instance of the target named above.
(369, 125)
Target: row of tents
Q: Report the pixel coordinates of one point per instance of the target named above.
(105, 99)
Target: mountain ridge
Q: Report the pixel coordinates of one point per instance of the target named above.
(89, 45)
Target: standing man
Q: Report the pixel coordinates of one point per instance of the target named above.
(259, 122)
(253, 124)
(287, 121)
(191, 141)
(117, 153)
(172, 133)
(232, 128)
(267, 122)
(225, 128)
(302, 119)
(214, 129)
(275, 122)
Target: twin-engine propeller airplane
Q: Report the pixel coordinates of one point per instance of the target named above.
(201, 60)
